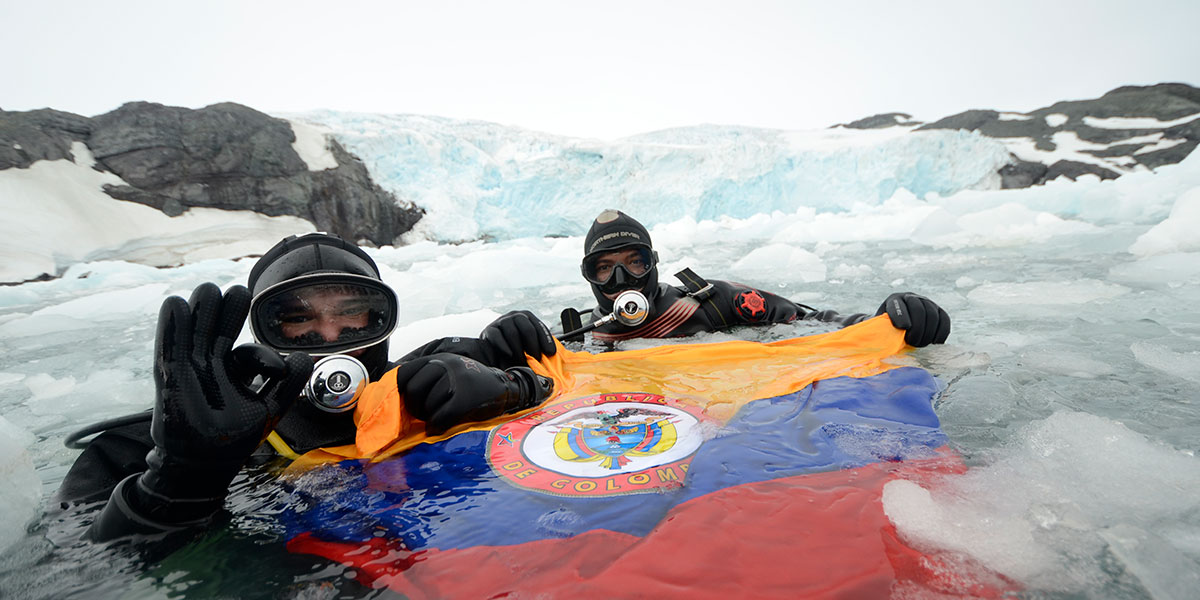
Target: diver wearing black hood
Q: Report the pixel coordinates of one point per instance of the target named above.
(619, 256)
(314, 295)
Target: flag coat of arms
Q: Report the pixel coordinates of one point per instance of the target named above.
(735, 469)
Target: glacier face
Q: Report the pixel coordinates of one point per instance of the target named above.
(481, 180)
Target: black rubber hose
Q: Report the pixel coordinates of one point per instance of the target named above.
(73, 442)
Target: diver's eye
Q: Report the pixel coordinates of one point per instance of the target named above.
(295, 318)
(353, 309)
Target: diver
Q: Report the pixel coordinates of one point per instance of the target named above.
(619, 256)
(314, 295)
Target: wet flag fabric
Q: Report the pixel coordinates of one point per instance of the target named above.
(736, 469)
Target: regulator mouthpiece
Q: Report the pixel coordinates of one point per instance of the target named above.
(337, 382)
(631, 308)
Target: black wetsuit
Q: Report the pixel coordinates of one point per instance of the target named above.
(678, 312)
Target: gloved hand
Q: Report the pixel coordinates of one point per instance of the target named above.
(445, 390)
(207, 420)
(926, 322)
(516, 334)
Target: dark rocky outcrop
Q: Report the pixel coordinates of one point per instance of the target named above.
(881, 121)
(46, 134)
(1021, 174)
(225, 156)
(1164, 102)
(1074, 170)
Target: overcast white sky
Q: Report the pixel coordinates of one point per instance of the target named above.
(602, 69)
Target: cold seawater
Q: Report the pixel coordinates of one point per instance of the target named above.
(1071, 383)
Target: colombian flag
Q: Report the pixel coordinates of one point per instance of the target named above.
(735, 469)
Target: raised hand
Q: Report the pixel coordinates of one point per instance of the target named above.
(207, 418)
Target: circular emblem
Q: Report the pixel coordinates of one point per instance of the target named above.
(603, 445)
(338, 382)
(751, 305)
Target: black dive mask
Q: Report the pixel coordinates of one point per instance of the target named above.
(324, 314)
(627, 268)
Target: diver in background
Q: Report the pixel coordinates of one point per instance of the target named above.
(619, 256)
(309, 296)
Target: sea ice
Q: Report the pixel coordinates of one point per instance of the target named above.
(1030, 510)
(1185, 365)
(20, 485)
(1080, 291)
(1176, 233)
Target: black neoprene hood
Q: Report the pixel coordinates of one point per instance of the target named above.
(614, 229)
(307, 254)
(297, 261)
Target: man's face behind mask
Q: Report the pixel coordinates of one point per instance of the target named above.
(617, 270)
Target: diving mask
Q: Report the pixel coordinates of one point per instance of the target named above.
(613, 270)
(324, 314)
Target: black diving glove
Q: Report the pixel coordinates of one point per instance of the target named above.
(445, 390)
(207, 421)
(923, 320)
(516, 334)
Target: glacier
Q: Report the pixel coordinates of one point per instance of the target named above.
(484, 181)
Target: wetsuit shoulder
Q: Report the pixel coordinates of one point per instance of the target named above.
(112, 456)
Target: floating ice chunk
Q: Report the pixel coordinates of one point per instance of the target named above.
(767, 262)
(1003, 544)
(117, 304)
(1163, 571)
(1065, 362)
(895, 219)
(1138, 197)
(1009, 224)
(20, 486)
(1173, 269)
(44, 387)
(1018, 223)
(1176, 233)
(101, 392)
(7, 379)
(1185, 365)
(1031, 510)
(1079, 291)
(852, 272)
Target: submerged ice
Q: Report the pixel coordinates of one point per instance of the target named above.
(1071, 387)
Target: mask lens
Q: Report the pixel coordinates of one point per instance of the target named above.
(599, 268)
(324, 317)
